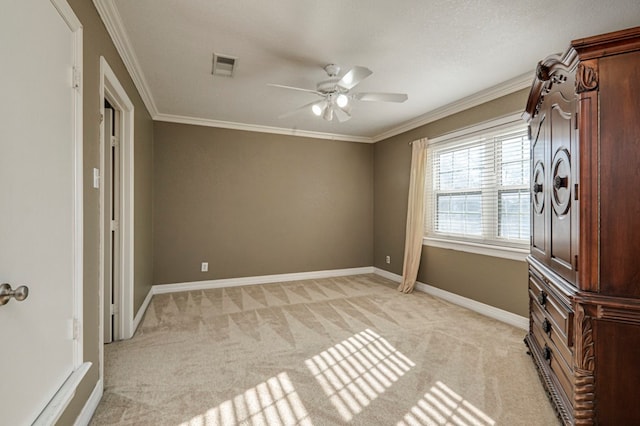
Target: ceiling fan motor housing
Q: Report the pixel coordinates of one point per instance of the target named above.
(332, 69)
(330, 86)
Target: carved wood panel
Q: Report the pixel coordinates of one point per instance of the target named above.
(539, 189)
(584, 366)
(561, 179)
(587, 77)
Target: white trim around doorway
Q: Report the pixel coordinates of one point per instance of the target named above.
(112, 90)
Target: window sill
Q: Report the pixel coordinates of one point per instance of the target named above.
(511, 253)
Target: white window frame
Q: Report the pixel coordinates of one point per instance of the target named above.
(507, 251)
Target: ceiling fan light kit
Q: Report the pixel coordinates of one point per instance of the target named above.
(336, 102)
(342, 100)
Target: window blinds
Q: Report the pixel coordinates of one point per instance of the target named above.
(477, 188)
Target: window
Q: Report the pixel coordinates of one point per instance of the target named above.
(478, 188)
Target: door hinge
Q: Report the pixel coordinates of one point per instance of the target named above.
(575, 260)
(576, 124)
(113, 309)
(114, 225)
(115, 142)
(575, 192)
(77, 78)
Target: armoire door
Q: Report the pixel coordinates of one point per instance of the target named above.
(561, 183)
(539, 194)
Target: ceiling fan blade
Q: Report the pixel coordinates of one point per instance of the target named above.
(299, 89)
(353, 77)
(341, 114)
(381, 97)
(297, 110)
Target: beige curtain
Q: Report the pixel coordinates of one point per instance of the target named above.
(415, 216)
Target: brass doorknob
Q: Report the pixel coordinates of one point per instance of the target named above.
(6, 293)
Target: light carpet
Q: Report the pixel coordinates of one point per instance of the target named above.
(347, 350)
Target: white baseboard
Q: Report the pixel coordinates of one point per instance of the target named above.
(142, 310)
(481, 308)
(388, 275)
(261, 279)
(90, 406)
(60, 401)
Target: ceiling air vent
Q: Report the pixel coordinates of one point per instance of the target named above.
(223, 65)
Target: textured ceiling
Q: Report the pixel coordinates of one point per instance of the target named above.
(437, 51)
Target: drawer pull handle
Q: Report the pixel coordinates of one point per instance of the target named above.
(542, 298)
(546, 326)
(546, 353)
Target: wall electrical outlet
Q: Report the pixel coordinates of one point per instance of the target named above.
(204, 267)
(387, 260)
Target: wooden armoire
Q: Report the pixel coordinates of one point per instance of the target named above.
(584, 268)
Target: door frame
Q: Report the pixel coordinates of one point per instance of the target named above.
(112, 90)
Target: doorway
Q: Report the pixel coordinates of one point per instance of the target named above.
(111, 203)
(116, 183)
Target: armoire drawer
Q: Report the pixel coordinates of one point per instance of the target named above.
(545, 298)
(554, 361)
(551, 332)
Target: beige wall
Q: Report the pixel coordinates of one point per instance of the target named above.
(257, 204)
(97, 43)
(494, 281)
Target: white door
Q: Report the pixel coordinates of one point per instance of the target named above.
(40, 233)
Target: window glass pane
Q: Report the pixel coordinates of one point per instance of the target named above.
(446, 162)
(460, 179)
(514, 214)
(459, 213)
(474, 204)
(514, 159)
(460, 169)
(446, 180)
(513, 174)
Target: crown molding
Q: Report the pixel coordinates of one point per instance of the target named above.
(510, 86)
(113, 23)
(257, 128)
(111, 18)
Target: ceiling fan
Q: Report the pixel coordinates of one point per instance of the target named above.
(336, 96)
